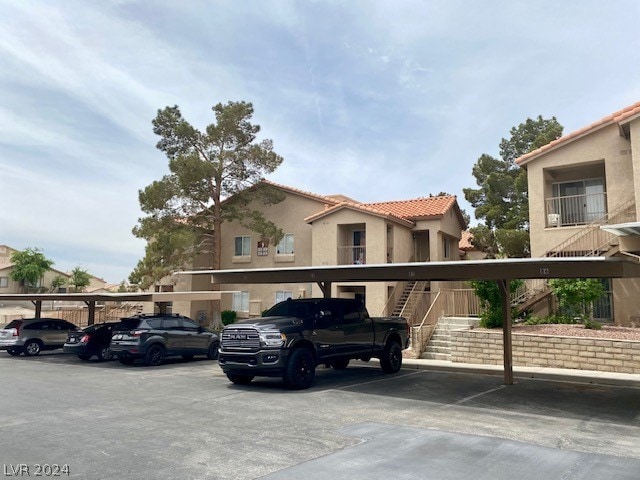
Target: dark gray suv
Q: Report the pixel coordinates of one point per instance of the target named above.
(32, 335)
(154, 337)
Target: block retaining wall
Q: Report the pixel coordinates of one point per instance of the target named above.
(485, 347)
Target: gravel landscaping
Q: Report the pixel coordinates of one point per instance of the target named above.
(607, 331)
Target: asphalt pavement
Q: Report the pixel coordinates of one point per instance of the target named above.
(185, 420)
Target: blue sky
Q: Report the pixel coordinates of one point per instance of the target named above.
(377, 100)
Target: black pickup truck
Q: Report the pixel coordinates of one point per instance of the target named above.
(295, 336)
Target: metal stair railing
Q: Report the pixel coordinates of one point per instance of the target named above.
(592, 240)
(414, 301)
(393, 299)
(421, 334)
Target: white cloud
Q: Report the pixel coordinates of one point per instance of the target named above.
(373, 99)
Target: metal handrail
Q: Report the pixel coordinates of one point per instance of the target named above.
(560, 250)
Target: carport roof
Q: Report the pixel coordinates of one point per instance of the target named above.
(113, 297)
(521, 268)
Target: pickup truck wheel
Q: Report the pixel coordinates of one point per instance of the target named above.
(391, 358)
(300, 370)
(240, 379)
(154, 356)
(340, 364)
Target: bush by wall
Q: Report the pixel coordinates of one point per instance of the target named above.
(228, 317)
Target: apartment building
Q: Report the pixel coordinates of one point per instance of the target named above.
(582, 201)
(324, 230)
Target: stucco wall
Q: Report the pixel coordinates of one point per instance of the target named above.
(634, 129)
(485, 347)
(604, 147)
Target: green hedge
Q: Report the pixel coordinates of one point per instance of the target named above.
(228, 317)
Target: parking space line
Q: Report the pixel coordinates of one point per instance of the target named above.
(378, 380)
(471, 397)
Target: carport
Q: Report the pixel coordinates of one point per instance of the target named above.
(161, 299)
(501, 271)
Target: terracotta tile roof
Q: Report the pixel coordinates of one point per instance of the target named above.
(402, 211)
(418, 208)
(360, 207)
(617, 117)
(321, 198)
(465, 242)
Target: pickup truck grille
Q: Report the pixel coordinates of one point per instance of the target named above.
(240, 339)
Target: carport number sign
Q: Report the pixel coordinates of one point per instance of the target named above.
(544, 272)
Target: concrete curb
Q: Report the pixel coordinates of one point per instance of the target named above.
(557, 374)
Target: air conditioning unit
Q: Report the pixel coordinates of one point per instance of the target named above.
(553, 219)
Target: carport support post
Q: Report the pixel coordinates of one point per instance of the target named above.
(326, 288)
(92, 312)
(505, 292)
(38, 305)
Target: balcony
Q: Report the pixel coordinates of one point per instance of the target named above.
(575, 209)
(352, 255)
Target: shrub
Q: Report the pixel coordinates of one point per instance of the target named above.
(228, 317)
(563, 319)
(491, 301)
(592, 325)
(575, 295)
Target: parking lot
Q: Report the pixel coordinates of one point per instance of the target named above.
(185, 420)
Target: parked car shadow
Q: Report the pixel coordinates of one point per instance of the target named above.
(59, 357)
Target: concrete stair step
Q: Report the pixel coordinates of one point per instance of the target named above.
(435, 356)
(435, 349)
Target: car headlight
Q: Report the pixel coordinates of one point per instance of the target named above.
(272, 339)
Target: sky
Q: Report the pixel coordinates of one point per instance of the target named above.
(377, 100)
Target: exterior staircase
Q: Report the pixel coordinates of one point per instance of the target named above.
(439, 346)
(411, 301)
(590, 241)
(402, 300)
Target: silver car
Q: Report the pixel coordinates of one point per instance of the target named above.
(32, 335)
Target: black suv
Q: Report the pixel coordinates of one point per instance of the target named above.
(92, 340)
(155, 336)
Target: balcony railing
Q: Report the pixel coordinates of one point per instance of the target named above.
(575, 209)
(352, 255)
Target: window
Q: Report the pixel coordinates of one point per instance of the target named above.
(282, 295)
(171, 324)
(240, 301)
(243, 247)
(154, 323)
(285, 247)
(446, 247)
(188, 325)
(352, 311)
(578, 202)
(4, 282)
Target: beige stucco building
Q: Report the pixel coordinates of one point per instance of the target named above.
(331, 230)
(581, 182)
